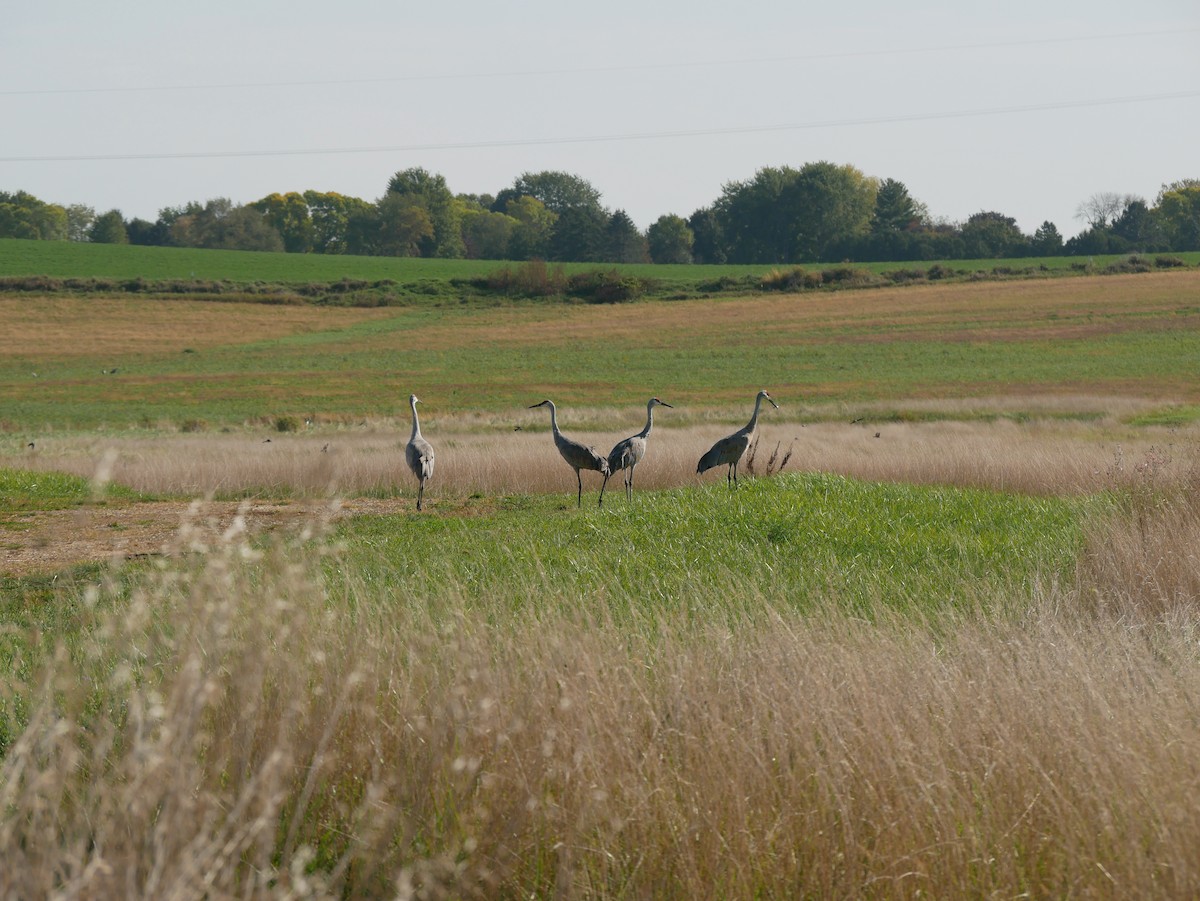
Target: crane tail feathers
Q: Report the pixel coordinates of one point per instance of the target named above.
(708, 461)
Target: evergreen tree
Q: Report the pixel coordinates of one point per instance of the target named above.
(1047, 242)
(623, 242)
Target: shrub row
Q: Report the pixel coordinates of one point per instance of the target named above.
(536, 279)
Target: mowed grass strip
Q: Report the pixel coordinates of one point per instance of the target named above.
(61, 329)
(708, 552)
(1122, 335)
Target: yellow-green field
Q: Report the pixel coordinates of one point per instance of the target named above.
(941, 642)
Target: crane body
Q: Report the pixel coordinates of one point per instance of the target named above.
(627, 454)
(418, 453)
(578, 456)
(729, 450)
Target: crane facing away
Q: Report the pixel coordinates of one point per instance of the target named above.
(578, 456)
(628, 453)
(729, 449)
(418, 453)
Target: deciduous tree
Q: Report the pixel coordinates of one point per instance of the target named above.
(670, 240)
(289, 215)
(558, 191)
(109, 228)
(990, 235)
(405, 226)
(80, 218)
(331, 215)
(1177, 209)
(218, 224)
(487, 235)
(533, 230)
(830, 206)
(24, 216)
(1102, 208)
(432, 193)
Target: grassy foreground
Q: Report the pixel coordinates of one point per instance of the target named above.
(688, 697)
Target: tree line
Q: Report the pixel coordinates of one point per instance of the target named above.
(819, 212)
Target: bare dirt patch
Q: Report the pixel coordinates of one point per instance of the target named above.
(47, 541)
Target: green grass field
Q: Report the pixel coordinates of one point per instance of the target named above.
(64, 259)
(795, 538)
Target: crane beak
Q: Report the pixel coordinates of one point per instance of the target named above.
(663, 403)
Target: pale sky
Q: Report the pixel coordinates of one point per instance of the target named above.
(1027, 108)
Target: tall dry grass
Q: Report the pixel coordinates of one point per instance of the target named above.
(234, 729)
(1041, 455)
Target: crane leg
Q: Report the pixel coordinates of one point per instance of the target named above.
(629, 485)
(420, 495)
(602, 484)
(579, 496)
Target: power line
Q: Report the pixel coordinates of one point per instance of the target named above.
(610, 138)
(588, 70)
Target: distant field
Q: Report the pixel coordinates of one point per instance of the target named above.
(63, 259)
(90, 362)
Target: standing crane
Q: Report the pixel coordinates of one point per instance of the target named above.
(578, 456)
(729, 449)
(628, 453)
(419, 453)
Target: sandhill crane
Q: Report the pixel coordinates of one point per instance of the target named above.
(628, 453)
(419, 452)
(729, 449)
(578, 456)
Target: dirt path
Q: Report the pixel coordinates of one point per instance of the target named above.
(46, 541)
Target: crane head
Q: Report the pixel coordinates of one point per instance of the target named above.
(767, 397)
(655, 402)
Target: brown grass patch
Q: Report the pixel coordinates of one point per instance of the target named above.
(1081, 306)
(1040, 456)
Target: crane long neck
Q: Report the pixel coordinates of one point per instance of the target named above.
(416, 425)
(753, 423)
(553, 419)
(649, 420)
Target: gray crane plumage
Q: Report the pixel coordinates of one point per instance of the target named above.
(729, 449)
(578, 456)
(418, 453)
(628, 453)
